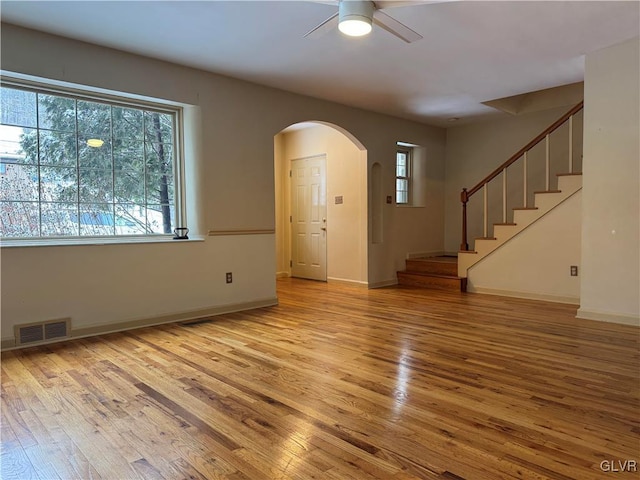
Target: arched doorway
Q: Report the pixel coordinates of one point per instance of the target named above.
(336, 203)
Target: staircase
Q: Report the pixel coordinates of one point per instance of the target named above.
(433, 272)
(545, 201)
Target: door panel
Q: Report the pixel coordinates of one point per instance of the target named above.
(308, 218)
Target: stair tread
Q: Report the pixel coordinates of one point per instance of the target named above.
(549, 191)
(525, 208)
(505, 224)
(486, 238)
(427, 274)
(568, 174)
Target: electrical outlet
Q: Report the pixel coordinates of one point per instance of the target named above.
(574, 270)
(229, 277)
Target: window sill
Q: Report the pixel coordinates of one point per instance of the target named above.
(63, 242)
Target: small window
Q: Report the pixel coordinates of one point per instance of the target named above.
(85, 166)
(403, 176)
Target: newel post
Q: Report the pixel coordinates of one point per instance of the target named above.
(464, 198)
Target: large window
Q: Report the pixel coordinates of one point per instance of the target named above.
(72, 165)
(403, 175)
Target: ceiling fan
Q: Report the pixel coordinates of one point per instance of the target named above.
(355, 18)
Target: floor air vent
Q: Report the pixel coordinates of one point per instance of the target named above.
(41, 332)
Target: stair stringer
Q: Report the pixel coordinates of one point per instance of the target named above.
(545, 202)
(535, 264)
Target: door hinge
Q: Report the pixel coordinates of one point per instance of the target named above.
(290, 219)
(291, 263)
(290, 174)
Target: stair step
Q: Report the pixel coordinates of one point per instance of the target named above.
(432, 280)
(436, 265)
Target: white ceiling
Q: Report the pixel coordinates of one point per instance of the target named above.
(471, 52)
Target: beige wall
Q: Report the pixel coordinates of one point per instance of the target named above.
(610, 288)
(231, 163)
(346, 177)
(475, 150)
(536, 262)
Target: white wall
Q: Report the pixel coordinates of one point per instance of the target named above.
(536, 262)
(346, 177)
(610, 288)
(233, 163)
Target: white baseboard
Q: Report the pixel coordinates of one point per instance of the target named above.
(346, 281)
(623, 319)
(435, 253)
(384, 283)
(526, 295)
(105, 328)
(283, 274)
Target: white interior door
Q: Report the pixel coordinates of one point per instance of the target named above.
(309, 218)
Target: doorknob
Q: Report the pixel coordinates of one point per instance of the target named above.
(323, 228)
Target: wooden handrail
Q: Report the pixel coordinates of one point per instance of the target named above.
(526, 148)
(466, 194)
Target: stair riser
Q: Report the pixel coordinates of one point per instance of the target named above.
(525, 217)
(569, 183)
(546, 201)
(439, 268)
(409, 279)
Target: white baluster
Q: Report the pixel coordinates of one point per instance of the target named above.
(524, 181)
(547, 162)
(571, 144)
(485, 193)
(504, 195)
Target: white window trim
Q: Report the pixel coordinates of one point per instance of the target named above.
(28, 82)
(409, 151)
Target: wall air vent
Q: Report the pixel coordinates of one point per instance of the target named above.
(42, 331)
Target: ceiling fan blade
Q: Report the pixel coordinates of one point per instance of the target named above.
(324, 27)
(408, 3)
(394, 27)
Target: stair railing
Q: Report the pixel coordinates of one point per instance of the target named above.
(465, 195)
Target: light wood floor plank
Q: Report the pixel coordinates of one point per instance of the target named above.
(336, 382)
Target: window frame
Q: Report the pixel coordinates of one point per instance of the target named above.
(113, 99)
(408, 151)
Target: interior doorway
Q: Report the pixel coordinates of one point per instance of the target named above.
(329, 242)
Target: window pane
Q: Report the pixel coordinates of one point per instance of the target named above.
(59, 219)
(130, 219)
(96, 219)
(128, 155)
(129, 186)
(94, 155)
(18, 107)
(94, 119)
(18, 145)
(160, 218)
(402, 185)
(402, 197)
(96, 186)
(401, 171)
(58, 184)
(56, 113)
(19, 219)
(19, 182)
(158, 127)
(127, 124)
(58, 148)
(159, 188)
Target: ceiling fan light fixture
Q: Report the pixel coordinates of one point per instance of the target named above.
(354, 28)
(355, 17)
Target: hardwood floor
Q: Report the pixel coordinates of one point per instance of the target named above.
(336, 382)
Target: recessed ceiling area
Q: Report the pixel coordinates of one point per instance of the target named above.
(472, 52)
